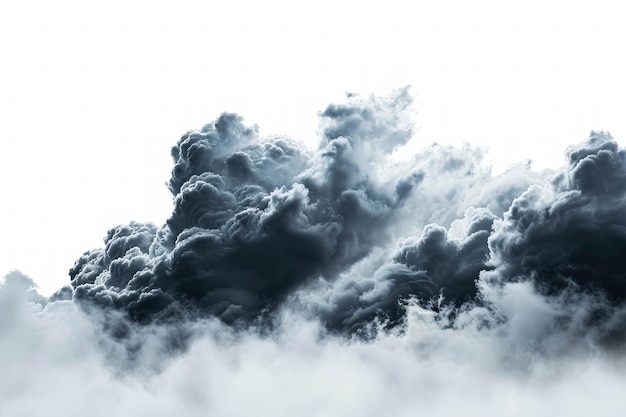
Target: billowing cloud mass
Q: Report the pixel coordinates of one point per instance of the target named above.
(254, 219)
(574, 230)
(341, 280)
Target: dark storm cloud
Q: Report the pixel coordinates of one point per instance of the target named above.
(354, 238)
(435, 269)
(451, 266)
(567, 238)
(254, 219)
(387, 285)
(573, 230)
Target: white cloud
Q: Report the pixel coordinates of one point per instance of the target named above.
(56, 362)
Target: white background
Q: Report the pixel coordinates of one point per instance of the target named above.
(94, 94)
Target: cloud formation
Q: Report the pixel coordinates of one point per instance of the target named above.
(255, 218)
(298, 368)
(347, 234)
(339, 280)
(575, 228)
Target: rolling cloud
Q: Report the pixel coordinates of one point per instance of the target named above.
(254, 219)
(342, 279)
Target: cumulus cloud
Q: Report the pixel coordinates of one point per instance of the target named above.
(568, 236)
(434, 268)
(346, 234)
(339, 280)
(255, 218)
(573, 229)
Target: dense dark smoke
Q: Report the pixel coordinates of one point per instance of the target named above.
(351, 236)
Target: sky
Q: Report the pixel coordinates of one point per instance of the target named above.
(402, 204)
(95, 94)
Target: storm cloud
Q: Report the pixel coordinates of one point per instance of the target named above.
(574, 229)
(340, 280)
(349, 235)
(255, 218)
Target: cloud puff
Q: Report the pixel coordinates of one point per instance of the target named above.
(433, 268)
(297, 368)
(575, 228)
(255, 218)
(339, 281)
(567, 238)
(348, 235)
